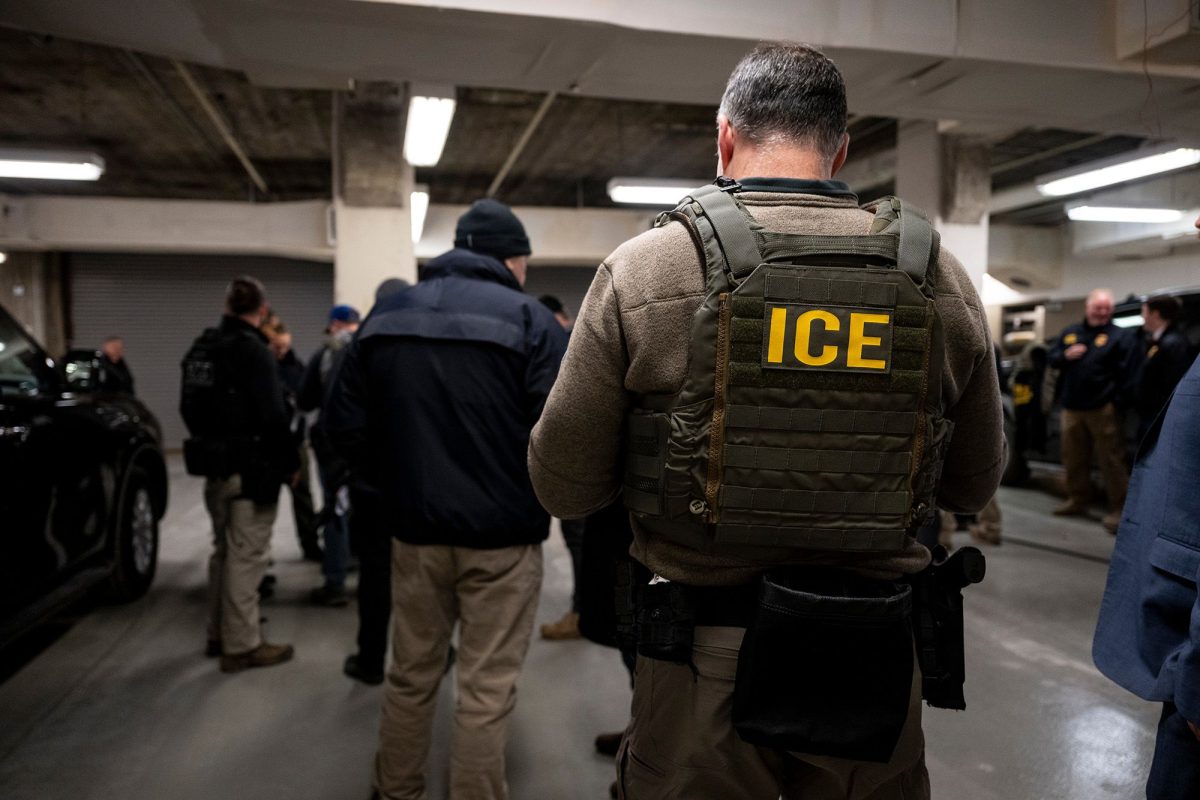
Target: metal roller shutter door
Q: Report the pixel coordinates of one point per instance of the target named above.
(159, 303)
(568, 284)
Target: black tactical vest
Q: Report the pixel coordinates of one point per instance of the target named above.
(811, 414)
(209, 401)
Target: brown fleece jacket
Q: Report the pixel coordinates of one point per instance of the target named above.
(632, 338)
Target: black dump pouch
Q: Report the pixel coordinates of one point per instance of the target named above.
(826, 668)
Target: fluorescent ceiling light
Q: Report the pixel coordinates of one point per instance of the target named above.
(650, 191)
(1120, 214)
(1121, 172)
(418, 207)
(1135, 321)
(427, 128)
(50, 165)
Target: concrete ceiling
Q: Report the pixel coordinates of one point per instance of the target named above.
(988, 64)
(1041, 81)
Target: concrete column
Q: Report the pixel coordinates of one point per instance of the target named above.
(31, 288)
(372, 185)
(949, 177)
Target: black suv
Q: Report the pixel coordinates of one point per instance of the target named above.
(83, 484)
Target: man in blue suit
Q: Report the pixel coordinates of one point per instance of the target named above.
(1148, 636)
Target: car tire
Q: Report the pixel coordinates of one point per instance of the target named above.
(135, 539)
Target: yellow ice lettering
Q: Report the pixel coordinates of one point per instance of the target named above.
(778, 333)
(859, 340)
(803, 333)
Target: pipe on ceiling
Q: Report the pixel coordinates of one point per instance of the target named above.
(220, 124)
(526, 135)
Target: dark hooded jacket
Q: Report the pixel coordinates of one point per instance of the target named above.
(435, 399)
(1158, 367)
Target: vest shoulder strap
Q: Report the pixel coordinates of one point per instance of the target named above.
(744, 244)
(737, 239)
(918, 243)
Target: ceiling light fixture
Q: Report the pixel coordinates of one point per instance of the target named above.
(650, 191)
(428, 126)
(418, 208)
(1122, 214)
(50, 165)
(1120, 172)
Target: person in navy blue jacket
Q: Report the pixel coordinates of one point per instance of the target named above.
(1148, 636)
(437, 396)
(1093, 356)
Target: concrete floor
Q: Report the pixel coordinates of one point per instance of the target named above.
(120, 703)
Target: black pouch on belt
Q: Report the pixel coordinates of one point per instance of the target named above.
(826, 667)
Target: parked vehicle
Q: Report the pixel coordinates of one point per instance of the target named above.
(83, 484)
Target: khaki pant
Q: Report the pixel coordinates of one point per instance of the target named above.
(1081, 432)
(681, 745)
(241, 548)
(494, 594)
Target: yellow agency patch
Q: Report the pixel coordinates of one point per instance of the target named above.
(827, 339)
(1070, 339)
(1100, 340)
(1150, 353)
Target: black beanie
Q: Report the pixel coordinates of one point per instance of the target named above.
(491, 228)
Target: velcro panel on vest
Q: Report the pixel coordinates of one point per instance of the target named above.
(817, 291)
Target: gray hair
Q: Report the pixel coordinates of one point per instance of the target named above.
(787, 91)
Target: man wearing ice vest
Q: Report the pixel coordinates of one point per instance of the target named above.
(782, 386)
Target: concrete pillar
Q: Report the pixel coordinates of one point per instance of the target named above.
(372, 185)
(949, 177)
(31, 288)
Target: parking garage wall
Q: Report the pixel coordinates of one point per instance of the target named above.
(159, 303)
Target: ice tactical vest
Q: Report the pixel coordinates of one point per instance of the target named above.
(811, 414)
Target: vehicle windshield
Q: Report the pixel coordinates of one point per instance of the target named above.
(24, 370)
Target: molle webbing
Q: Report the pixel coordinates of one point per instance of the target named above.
(792, 459)
(821, 420)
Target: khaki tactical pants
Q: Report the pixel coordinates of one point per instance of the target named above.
(494, 594)
(241, 548)
(681, 745)
(1081, 431)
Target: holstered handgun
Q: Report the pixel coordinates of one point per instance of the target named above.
(657, 619)
(938, 623)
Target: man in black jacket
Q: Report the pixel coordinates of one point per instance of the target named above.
(438, 394)
(1092, 356)
(233, 405)
(118, 378)
(1163, 361)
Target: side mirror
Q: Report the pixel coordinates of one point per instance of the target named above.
(83, 371)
